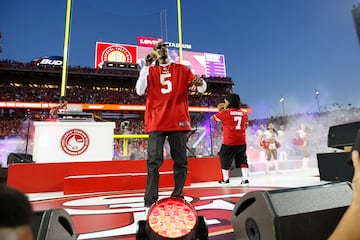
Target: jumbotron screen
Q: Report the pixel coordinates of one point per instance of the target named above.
(206, 64)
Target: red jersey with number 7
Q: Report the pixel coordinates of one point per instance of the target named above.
(234, 123)
(167, 98)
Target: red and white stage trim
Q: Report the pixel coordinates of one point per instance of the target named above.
(103, 176)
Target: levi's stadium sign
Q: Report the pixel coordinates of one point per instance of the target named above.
(151, 42)
(148, 41)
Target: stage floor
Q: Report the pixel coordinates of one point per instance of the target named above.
(114, 215)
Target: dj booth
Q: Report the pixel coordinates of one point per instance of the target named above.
(73, 141)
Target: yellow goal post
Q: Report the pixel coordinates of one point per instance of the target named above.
(126, 138)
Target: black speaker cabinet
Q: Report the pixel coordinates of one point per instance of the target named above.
(294, 213)
(19, 158)
(53, 224)
(340, 136)
(335, 166)
(3, 175)
(356, 17)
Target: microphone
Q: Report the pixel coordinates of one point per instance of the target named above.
(148, 58)
(152, 56)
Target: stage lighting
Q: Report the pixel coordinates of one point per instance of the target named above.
(172, 218)
(110, 64)
(122, 65)
(133, 66)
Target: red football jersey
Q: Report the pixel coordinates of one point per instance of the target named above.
(167, 98)
(234, 123)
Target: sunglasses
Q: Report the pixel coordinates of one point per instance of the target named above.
(159, 46)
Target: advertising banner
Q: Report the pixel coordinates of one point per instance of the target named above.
(200, 63)
(113, 52)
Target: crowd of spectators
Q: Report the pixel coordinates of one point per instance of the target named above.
(206, 138)
(11, 64)
(205, 141)
(19, 93)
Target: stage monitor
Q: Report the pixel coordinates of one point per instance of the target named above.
(343, 135)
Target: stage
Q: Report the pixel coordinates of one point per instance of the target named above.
(114, 215)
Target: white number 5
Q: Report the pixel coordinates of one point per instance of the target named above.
(166, 83)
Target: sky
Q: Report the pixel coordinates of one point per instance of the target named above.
(272, 48)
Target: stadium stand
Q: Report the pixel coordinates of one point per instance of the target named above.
(25, 82)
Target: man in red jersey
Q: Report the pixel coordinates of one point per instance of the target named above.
(234, 123)
(166, 87)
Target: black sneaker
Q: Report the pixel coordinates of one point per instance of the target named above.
(148, 205)
(244, 183)
(224, 182)
(178, 196)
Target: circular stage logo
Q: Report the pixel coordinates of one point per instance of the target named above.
(116, 54)
(74, 142)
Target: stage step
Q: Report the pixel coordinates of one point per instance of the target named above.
(114, 182)
(49, 177)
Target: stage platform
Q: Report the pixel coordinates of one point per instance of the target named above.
(114, 215)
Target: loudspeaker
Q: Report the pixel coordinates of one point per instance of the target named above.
(3, 175)
(356, 145)
(53, 224)
(335, 166)
(19, 158)
(356, 17)
(293, 213)
(340, 136)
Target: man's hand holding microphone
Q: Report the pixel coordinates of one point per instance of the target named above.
(151, 57)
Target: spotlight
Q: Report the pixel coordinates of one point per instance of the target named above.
(124, 125)
(122, 65)
(133, 66)
(110, 64)
(172, 218)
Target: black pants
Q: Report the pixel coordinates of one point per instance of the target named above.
(228, 154)
(177, 141)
